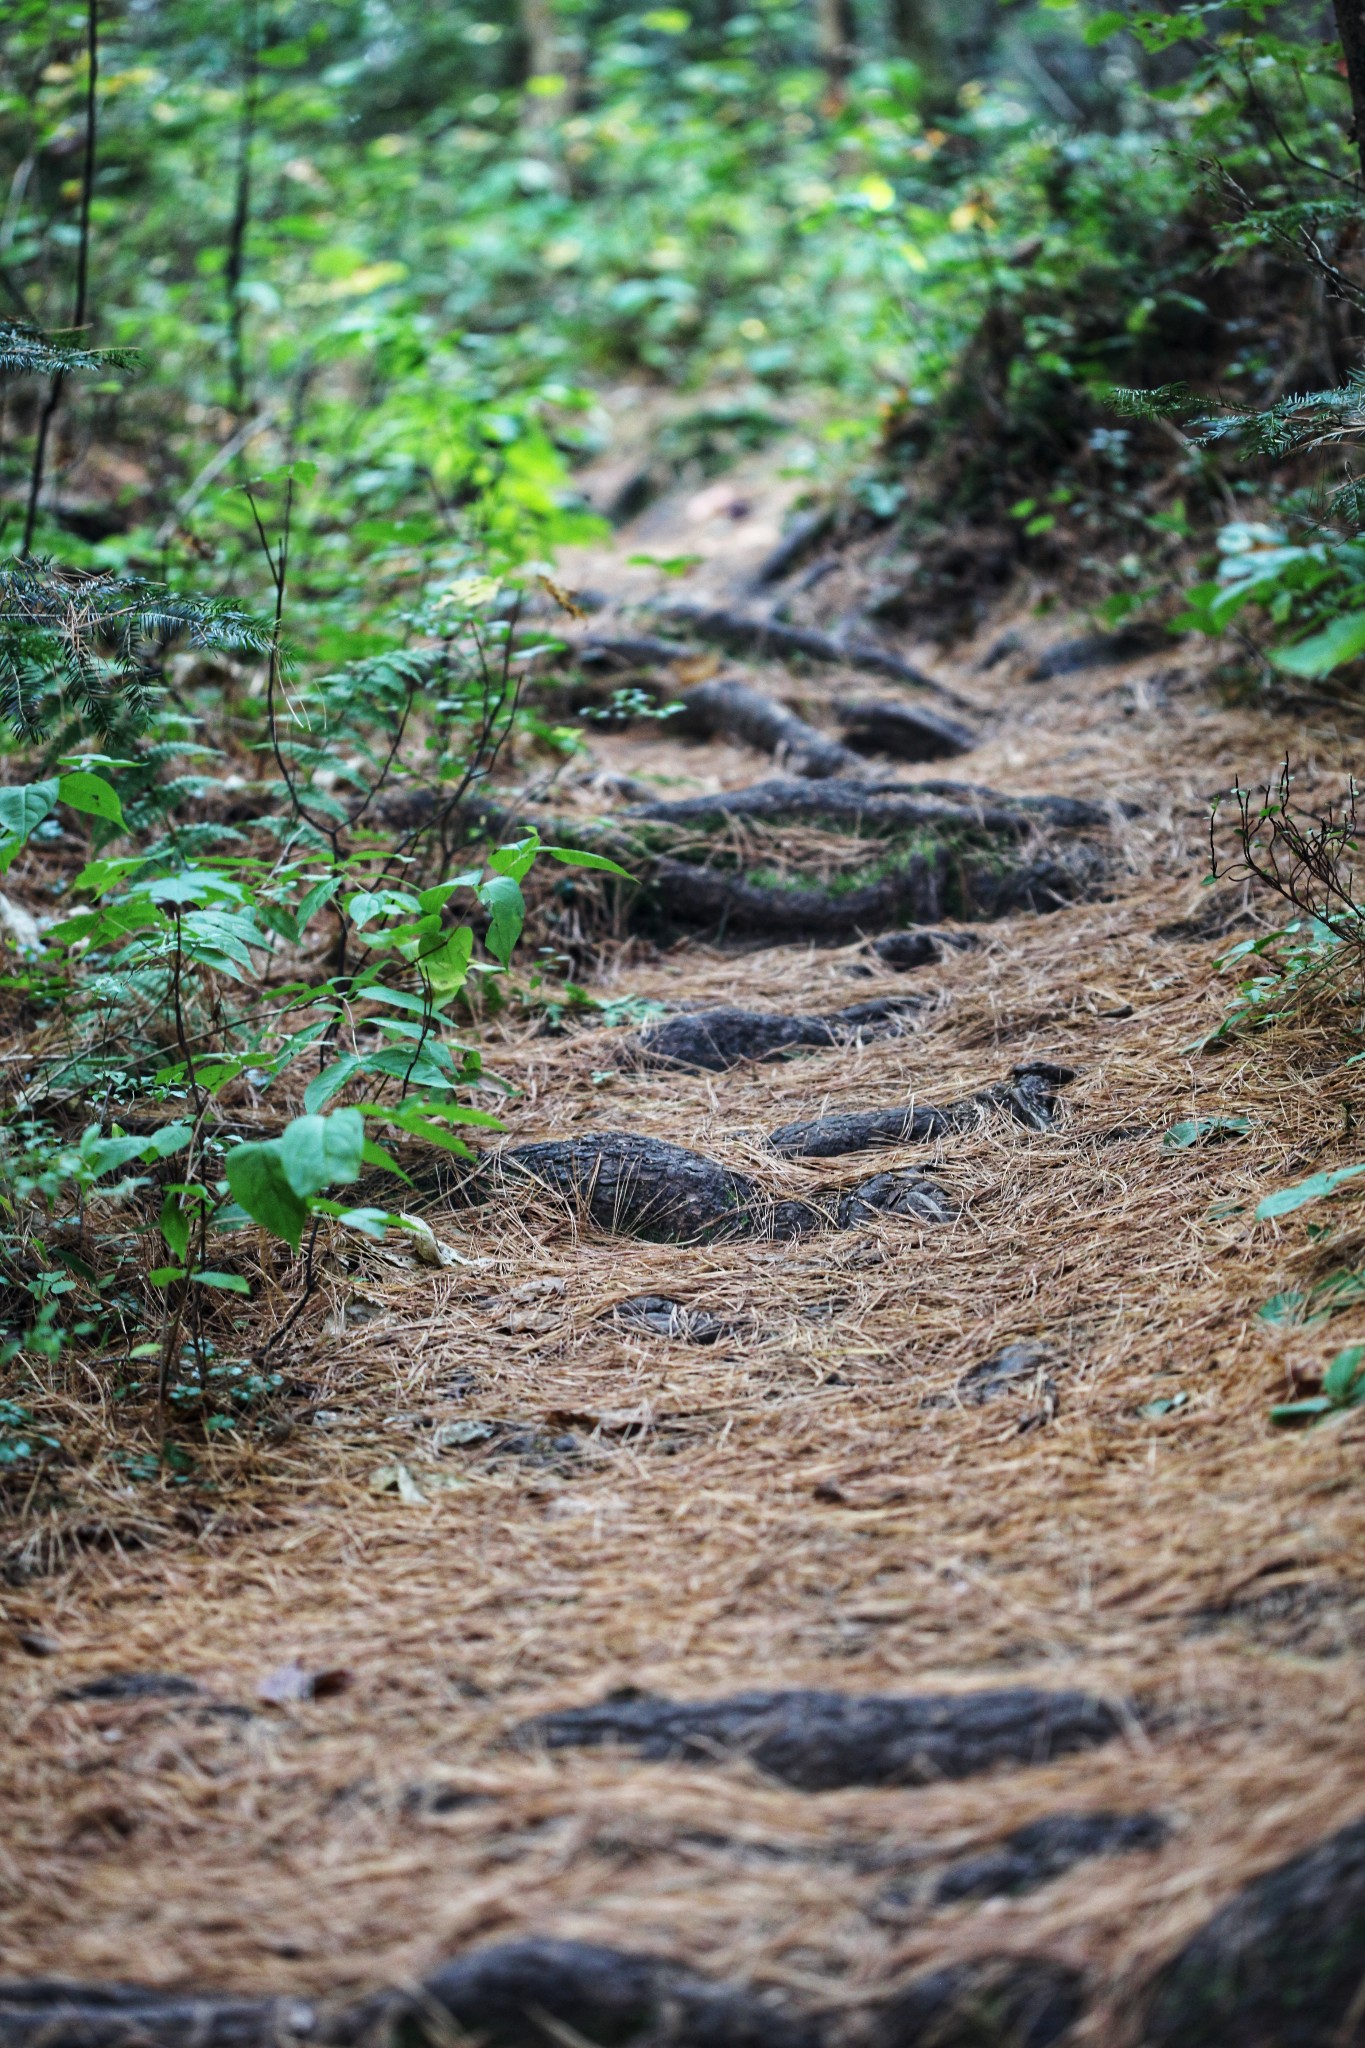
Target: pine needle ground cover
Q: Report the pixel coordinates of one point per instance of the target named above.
(487, 1497)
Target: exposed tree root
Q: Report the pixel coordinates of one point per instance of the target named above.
(819, 1741)
(742, 633)
(712, 1040)
(908, 732)
(1029, 1097)
(923, 890)
(733, 708)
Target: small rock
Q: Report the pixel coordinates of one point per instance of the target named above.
(663, 1317)
(1004, 1371)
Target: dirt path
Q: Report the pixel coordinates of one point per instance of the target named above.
(500, 1501)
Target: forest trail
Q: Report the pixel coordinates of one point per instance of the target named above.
(1018, 1451)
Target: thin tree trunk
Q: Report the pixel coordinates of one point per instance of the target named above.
(836, 39)
(235, 266)
(78, 318)
(1350, 16)
(546, 57)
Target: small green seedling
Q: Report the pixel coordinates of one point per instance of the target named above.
(1203, 1130)
(1343, 1388)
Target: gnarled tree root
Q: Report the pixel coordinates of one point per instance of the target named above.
(744, 633)
(730, 707)
(710, 1041)
(1029, 1097)
(821, 1741)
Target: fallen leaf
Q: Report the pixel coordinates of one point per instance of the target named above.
(397, 1479)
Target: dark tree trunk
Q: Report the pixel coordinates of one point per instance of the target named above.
(1350, 16)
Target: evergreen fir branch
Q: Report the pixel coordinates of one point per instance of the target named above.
(25, 352)
(98, 643)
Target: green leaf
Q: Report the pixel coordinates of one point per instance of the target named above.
(1286, 1200)
(257, 1179)
(1288, 1414)
(169, 1140)
(447, 968)
(175, 1227)
(92, 794)
(230, 1283)
(24, 805)
(376, 1155)
(1341, 641)
(516, 860)
(1103, 26)
(317, 1151)
(330, 1081)
(165, 1276)
(1342, 1380)
(501, 896)
(1196, 1130)
(574, 857)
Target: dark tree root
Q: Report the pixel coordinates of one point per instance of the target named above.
(1098, 650)
(739, 712)
(709, 1041)
(58, 2014)
(1046, 1848)
(821, 1741)
(876, 809)
(924, 889)
(1029, 1097)
(991, 2002)
(902, 951)
(1280, 1966)
(635, 1186)
(743, 633)
(908, 732)
(529, 1993)
(800, 537)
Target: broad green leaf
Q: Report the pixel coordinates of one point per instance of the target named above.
(1341, 641)
(231, 1283)
(24, 805)
(169, 1140)
(371, 903)
(574, 857)
(175, 1227)
(516, 860)
(317, 1151)
(165, 1276)
(1286, 1200)
(257, 1179)
(92, 794)
(447, 968)
(501, 896)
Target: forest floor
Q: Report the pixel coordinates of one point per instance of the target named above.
(494, 1501)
